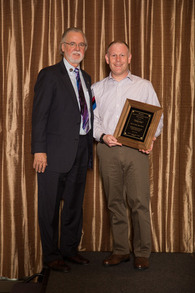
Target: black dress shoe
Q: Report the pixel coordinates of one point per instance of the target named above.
(58, 265)
(78, 259)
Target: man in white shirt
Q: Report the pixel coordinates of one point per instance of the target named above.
(124, 170)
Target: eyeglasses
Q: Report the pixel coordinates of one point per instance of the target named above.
(74, 45)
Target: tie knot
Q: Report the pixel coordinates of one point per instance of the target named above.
(76, 70)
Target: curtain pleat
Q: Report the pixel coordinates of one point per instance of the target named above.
(160, 34)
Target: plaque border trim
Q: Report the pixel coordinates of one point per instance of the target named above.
(157, 112)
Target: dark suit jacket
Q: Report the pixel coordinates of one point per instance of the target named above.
(56, 118)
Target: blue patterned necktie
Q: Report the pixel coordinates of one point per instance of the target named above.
(83, 104)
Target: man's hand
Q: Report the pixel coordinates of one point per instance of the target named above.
(150, 149)
(110, 140)
(40, 162)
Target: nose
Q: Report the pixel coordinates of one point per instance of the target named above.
(77, 46)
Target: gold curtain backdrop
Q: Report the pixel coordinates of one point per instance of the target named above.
(161, 38)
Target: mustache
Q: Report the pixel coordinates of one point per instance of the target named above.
(77, 52)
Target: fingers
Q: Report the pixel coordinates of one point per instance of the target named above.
(150, 149)
(146, 151)
(111, 140)
(40, 166)
(40, 162)
(154, 138)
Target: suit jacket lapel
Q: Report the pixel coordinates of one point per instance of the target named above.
(88, 85)
(69, 86)
(67, 81)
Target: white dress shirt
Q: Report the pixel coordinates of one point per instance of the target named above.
(111, 95)
(72, 76)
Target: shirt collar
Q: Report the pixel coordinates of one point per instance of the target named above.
(129, 75)
(69, 67)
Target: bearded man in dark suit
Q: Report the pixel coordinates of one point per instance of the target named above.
(62, 146)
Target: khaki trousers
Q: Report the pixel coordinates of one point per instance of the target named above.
(125, 175)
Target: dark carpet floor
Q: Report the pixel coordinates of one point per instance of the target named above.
(168, 273)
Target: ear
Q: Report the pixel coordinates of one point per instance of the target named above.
(107, 59)
(62, 47)
(129, 58)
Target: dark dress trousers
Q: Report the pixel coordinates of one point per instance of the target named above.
(55, 131)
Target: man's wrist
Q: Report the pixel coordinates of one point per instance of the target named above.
(101, 138)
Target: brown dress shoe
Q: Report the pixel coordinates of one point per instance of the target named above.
(141, 263)
(58, 265)
(116, 259)
(78, 259)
